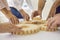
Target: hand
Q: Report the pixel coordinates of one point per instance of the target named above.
(26, 17)
(24, 14)
(13, 19)
(53, 22)
(10, 16)
(36, 13)
(8, 27)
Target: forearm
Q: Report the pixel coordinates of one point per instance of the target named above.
(40, 13)
(41, 4)
(22, 12)
(53, 9)
(6, 12)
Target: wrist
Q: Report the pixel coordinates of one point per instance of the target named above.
(22, 12)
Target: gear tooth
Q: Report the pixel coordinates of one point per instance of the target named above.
(38, 30)
(34, 31)
(16, 33)
(45, 29)
(21, 33)
(50, 30)
(53, 29)
(31, 31)
(42, 28)
(56, 28)
(27, 32)
(11, 32)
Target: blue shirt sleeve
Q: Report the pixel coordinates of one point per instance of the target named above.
(58, 9)
(16, 12)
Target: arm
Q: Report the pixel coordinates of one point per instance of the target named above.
(41, 4)
(53, 9)
(8, 27)
(24, 14)
(10, 16)
(8, 13)
(19, 8)
(55, 20)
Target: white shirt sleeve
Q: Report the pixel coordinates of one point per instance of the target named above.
(18, 4)
(10, 3)
(1, 5)
(34, 4)
(3, 18)
(15, 3)
(47, 8)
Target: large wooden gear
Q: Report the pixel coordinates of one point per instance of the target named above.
(32, 27)
(27, 29)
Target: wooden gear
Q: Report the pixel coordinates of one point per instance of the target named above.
(27, 29)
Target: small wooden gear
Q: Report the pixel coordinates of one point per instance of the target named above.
(34, 22)
(37, 18)
(27, 29)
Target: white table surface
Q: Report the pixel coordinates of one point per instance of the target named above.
(38, 36)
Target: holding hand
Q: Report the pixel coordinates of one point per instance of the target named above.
(35, 13)
(8, 27)
(10, 16)
(53, 22)
(13, 19)
(24, 14)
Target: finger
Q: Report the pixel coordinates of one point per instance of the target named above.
(27, 18)
(16, 31)
(53, 25)
(35, 13)
(16, 21)
(48, 21)
(11, 20)
(51, 22)
(32, 15)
